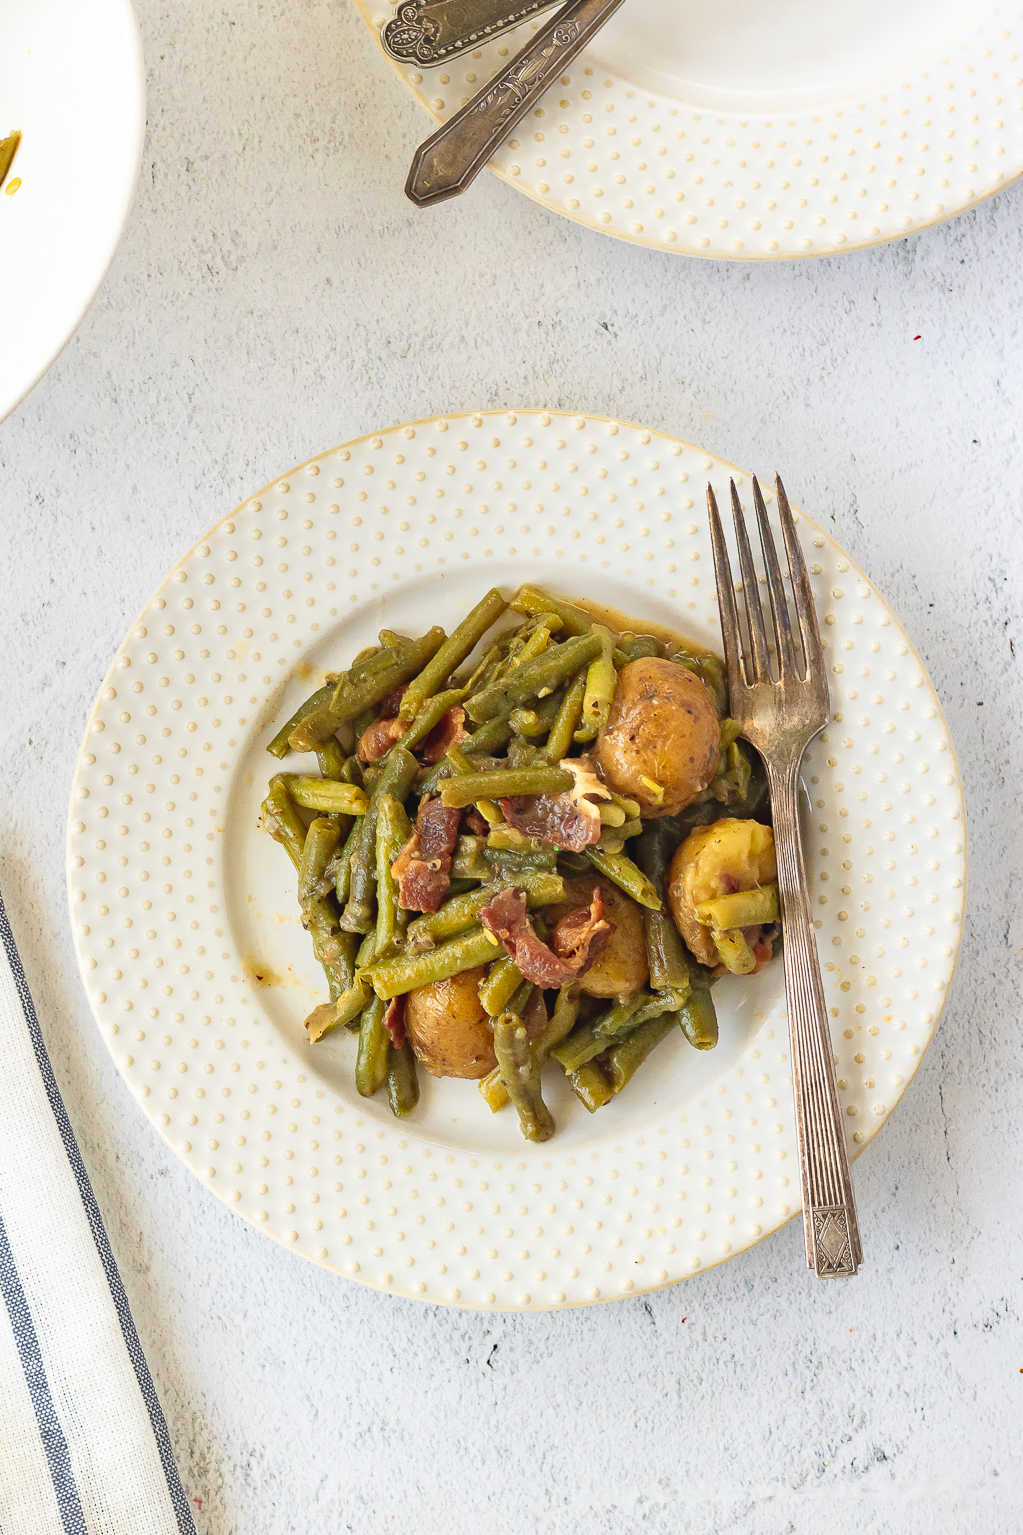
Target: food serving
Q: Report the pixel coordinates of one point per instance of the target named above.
(526, 842)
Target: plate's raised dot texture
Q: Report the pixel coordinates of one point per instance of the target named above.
(199, 974)
(849, 172)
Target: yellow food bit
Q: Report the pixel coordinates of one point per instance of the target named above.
(653, 788)
(8, 149)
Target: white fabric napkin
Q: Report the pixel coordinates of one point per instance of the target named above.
(84, 1448)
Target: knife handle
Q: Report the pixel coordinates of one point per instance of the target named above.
(452, 157)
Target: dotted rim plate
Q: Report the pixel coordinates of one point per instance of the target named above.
(659, 172)
(178, 902)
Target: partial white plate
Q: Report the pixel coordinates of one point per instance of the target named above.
(179, 903)
(71, 79)
(758, 132)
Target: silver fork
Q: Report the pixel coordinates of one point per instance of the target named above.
(779, 697)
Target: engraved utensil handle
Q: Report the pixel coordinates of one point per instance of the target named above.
(452, 157)
(829, 1212)
(426, 32)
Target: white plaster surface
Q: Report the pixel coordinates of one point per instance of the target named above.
(274, 295)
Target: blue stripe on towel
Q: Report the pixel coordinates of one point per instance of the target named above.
(140, 1365)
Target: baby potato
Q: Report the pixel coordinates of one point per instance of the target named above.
(713, 861)
(661, 741)
(622, 966)
(449, 1031)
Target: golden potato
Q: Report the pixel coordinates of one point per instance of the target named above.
(713, 861)
(661, 741)
(622, 966)
(449, 1031)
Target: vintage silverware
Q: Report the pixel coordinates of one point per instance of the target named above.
(779, 695)
(427, 32)
(453, 156)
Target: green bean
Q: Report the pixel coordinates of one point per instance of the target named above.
(361, 689)
(331, 760)
(506, 838)
(367, 950)
(734, 952)
(320, 842)
(347, 1008)
(461, 911)
(631, 807)
(527, 722)
(699, 1019)
(533, 641)
(398, 772)
(393, 831)
(636, 646)
(560, 1024)
(499, 985)
(611, 814)
(401, 973)
(711, 671)
(624, 1059)
(488, 738)
(520, 1073)
(508, 864)
(497, 782)
(533, 679)
(534, 601)
(430, 716)
(333, 949)
(469, 859)
(451, 653)
(341, 866)
(591, 1039)
(374, 1045)
(591, 1086)
(325, 795)
(462, 767)
(559, 742)
(402, 1080)
(601, 681)
(279, 747)
(621, 871)
(488, 663)
(666, 958)
(745, 908)
(520, 753)
(281, 819)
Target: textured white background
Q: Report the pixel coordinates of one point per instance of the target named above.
(274, 295)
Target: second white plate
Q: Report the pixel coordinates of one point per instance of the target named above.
(758, 132)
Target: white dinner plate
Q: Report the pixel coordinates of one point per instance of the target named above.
(71, 79)
(200, 975)
(755, 131)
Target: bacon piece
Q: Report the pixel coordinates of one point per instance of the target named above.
(378, 738)
(555, 818)
(449, 731)
(476, 823)
(423, 867)
(587, 932)
(394, 1021)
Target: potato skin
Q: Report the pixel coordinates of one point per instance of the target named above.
(663, 726)
(715, 860)
(622, 966)
(448, 1029)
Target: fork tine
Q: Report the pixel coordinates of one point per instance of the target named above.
(787, 661)
(726, 596)
(760, 659)
(806, 612)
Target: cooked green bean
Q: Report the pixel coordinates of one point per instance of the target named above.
(611, 814)
(279, 746)
(451, 653)
(334, 949)
(325, 795)
(488, 738)
(430, 715)
(495, 783)
(508, 863)
(560, 1024)
(601, 681)
(666, 958)
(624, 1059)
(469, 859)
(506, 838)
(320, 842)
(699, 1019)
(405, 972)
(346, 1009)
(461, 911)
(591, 1039)
(534, 641)
(397, 774)
(374, 1045)
(402, 1081)
(499, 985)
(711, 672)
(621, 871)
(533, 601)
(282, 820)
(331, 761)
(636, 646)
(363, 688)
(533, 679)
(734, 951)
(745, 908)
(591, 1086)
(559, 742)
(520, 1073)
(341, 866)
(393, 831)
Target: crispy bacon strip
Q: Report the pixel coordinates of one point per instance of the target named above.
(449, 731)
(394, 1021)
(583, 934)
(377, 739)
(555, 818)
(423, 867)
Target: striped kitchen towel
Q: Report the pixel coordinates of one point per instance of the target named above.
(83, 1442)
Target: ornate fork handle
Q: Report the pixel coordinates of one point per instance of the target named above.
(452, 157)
(427, 32)
(829, 1213)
